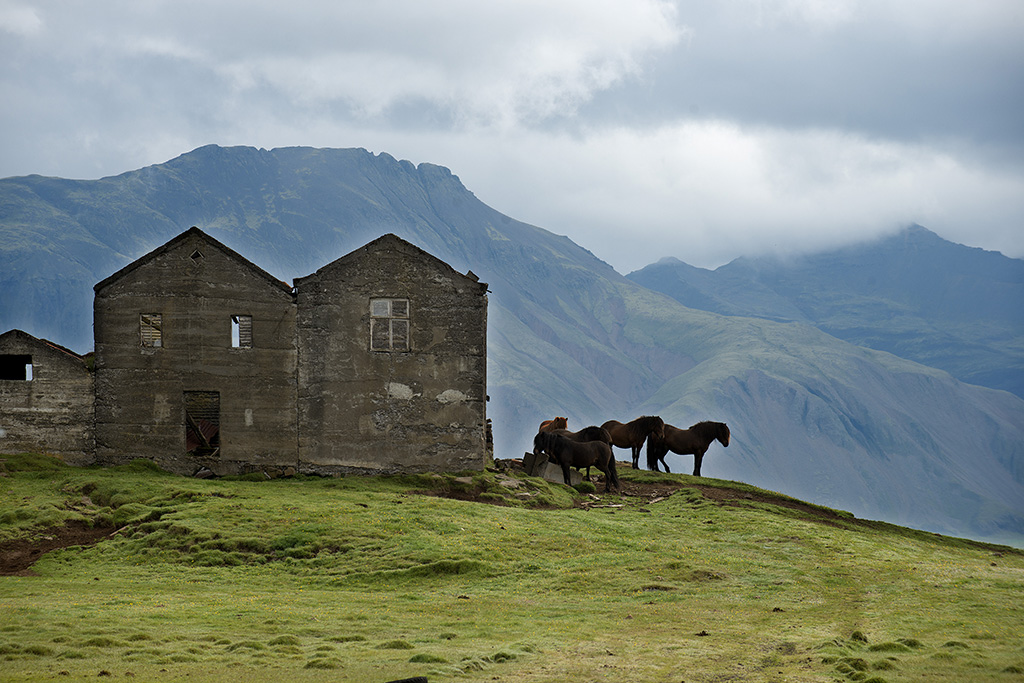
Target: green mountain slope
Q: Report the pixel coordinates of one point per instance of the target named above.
(811, 415)
(381, 578)
(913, 294)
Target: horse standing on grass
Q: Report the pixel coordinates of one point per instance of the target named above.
(633, 434)
(568, 453)
(694, 440)
(591, 433)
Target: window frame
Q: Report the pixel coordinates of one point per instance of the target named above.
(151, 330)
(390, 325)
(241, 331)
(16, 367)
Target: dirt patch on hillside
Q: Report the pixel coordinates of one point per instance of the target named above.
(734, 497)
(643, 493)
(17, 556)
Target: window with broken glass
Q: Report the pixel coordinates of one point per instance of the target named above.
(389, 324)
(241, 331)
(151, 330)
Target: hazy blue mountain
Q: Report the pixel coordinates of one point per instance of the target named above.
(811, 415)
(913, 294)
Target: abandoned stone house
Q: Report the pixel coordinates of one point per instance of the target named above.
(374, 363)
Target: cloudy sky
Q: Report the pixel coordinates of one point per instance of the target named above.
(702, 129)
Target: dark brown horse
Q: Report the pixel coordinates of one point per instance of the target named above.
(567, 453)
(633, 434)
(694, 440)
(591, 433)
(557, 423)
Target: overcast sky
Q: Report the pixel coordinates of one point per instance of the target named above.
(703, 130)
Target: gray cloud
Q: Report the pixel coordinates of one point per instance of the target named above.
(640, 128)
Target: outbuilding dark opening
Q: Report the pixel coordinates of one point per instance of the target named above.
(16, 367)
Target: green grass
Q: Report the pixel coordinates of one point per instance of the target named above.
(370, 579)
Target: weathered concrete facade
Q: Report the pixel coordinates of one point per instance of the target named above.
(173, 383)
(375, 363)
(392, 363)
(46, 399)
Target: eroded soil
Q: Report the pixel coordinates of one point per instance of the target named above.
(17, 556)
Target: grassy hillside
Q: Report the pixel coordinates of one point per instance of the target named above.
(487, 576)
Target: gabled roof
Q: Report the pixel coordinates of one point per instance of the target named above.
(173, 243)
(385, 242)
(37, 341)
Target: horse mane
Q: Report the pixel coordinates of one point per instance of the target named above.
(593, 433)
(709, 429)
(646, 423)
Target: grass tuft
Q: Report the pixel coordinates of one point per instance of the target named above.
(889, 647)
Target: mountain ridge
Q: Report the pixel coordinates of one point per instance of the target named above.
(913, 294)
(812, 416)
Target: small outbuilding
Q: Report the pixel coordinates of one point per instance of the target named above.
(46, 399)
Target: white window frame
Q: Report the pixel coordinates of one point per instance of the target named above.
(390, 328)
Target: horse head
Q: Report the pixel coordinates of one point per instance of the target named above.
(659, 428)
(539, 441)
(723, 434)
(545, 442)
(556, 423)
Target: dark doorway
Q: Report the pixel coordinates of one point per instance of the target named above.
(202, 422)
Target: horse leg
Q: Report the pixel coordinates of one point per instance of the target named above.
(610, 477)
(565, 474)
(665, 463)
(697, 458)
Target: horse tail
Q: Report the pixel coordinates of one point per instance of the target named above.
(614, 472)
(656, 450)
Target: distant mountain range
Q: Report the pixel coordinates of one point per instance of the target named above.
(837, 373)
(912, 294)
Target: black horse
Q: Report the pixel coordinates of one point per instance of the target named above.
(694, 440)
(569, 453)
(591, 433)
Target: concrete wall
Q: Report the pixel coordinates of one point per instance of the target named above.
(48, 408)
(415, 410)
(196, 285)
(331, 383)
